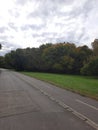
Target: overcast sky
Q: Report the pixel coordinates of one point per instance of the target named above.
(30, 23)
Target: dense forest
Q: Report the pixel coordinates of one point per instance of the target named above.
(56, 58)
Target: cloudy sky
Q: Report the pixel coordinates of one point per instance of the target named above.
(30, 23)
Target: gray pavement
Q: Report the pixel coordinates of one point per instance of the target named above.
(30, 104)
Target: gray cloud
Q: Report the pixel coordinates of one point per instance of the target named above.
(15, 12)
(13, 26)
(3, 37)
(49, 8)
(32, 27)
(52, 10)
(7, 47)
(22, 2)
(40, 21)
(81, 35)
(3, 29)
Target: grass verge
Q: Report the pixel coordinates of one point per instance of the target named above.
(86, 86)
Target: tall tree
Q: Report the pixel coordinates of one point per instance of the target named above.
(82, 55)
(0, 46)
(91, 68)
(95, 47)
(2, 62)
(16, 59)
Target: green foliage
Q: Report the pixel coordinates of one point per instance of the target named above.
(67, 63)
(2, 62)
(59, 58)
(57, 67)
(0, 46)
(82, 55)
(91, 68)
(95, 47)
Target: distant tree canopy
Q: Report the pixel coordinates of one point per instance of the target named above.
(2, 62)
(57, 58)
(95, 47)
(0, 46)
(91, 66)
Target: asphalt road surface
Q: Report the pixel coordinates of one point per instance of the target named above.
(30, 104)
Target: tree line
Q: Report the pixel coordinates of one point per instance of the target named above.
(56, 58)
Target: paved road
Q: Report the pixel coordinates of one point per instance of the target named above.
(30, 104)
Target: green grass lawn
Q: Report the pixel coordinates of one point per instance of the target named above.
(83, 85)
